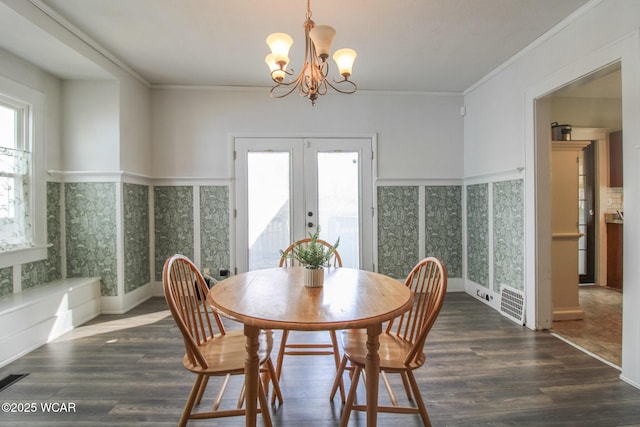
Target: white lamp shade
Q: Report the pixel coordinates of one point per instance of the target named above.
(277, 73)
(344, 60)
(280, 43)
(322, 37)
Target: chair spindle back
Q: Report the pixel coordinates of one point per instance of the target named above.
(186, 293)
(428, 282)
(289, 260)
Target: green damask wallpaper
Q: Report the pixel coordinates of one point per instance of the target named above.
(398, 225)
(37, 273)
(90, 219)
(478, 233)
(6, 281)
(214, 228)
(508, 234)
(443, 226)
(173, 223)
(135, 199)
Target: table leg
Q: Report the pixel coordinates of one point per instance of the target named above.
(372, 370)
(252, 374)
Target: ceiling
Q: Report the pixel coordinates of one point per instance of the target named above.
(408, 45)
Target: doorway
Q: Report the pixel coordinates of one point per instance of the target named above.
(287, 187)
(593, 105)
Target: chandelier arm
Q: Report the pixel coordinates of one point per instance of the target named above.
(273, 90)
(352, 89)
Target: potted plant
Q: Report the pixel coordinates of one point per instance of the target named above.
(314, 256)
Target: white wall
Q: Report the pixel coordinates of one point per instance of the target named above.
(91, 126)
(135, 127)
(419, 136)
(500, 122)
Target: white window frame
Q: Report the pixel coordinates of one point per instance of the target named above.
(34, 104)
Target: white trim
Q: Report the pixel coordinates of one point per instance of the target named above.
(120, 238)
(197, 244)
(162, 182)
(16, 257)
(429, 182)
(505, 175)
(422, 226)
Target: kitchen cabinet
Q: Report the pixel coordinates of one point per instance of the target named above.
(615, 159)
(614, 254)
(564, 230)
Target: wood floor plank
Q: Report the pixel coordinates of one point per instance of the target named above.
(481, 370)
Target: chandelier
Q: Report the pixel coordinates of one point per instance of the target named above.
(312, 80)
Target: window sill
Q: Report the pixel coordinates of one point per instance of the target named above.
(23, 255)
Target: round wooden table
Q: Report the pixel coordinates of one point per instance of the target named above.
(277, 299)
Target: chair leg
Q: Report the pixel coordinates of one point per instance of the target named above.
(264, 406)
(191, 400)
(407, 387)
(418, 398)
(203, 386)
(277, 392)
(223, 388)
(283, 347)
(336, 358)
(346, 412)
(392, 395)
(338, 379)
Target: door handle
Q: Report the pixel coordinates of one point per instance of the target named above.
(310, 224)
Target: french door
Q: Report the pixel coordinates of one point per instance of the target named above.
(286, 187)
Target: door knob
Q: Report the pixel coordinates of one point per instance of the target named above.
(309, 224)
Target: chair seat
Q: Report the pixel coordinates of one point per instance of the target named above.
(392, 351)
(226, 353)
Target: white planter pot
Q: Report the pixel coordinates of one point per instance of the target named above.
(313, 277)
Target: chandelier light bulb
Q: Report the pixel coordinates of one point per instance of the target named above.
(280, 43)
(322, 37)
(277, 72)
(344, 60)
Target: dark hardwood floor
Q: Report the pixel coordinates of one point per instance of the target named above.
(481, 370)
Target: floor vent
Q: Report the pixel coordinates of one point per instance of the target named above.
(512, 303)
(11, 379)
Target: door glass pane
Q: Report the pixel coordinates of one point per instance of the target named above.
(269, 219)
(338, 206)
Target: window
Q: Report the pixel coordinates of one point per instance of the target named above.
(23, 207)
(15, 159)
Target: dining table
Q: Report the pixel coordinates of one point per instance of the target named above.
(277, 298)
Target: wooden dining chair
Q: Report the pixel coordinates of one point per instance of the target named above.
(401, 343)
(308, 349)
(208, 353)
